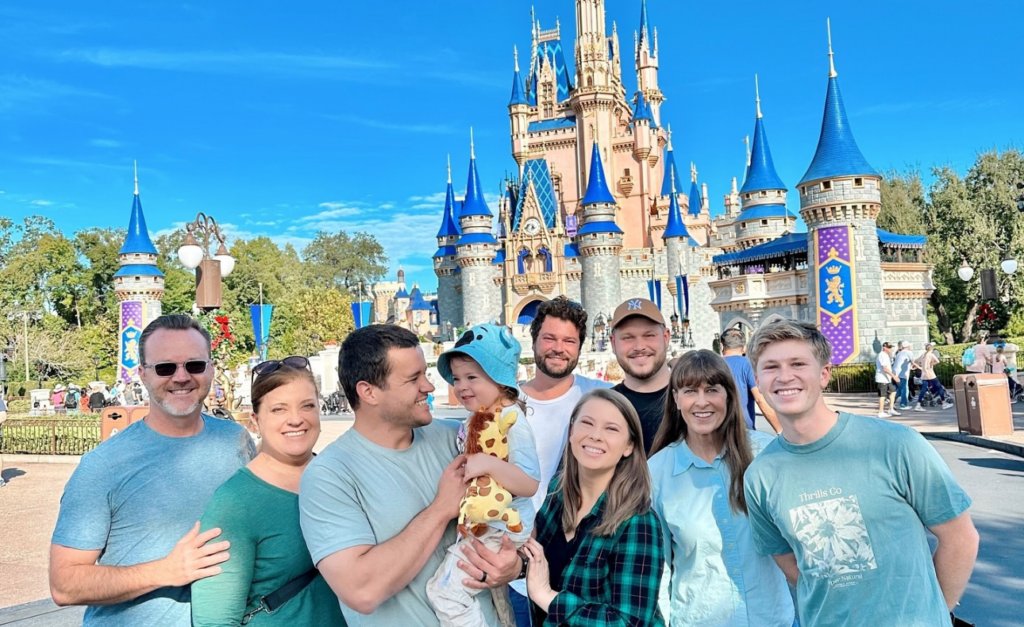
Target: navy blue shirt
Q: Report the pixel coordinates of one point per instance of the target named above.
(743, 374)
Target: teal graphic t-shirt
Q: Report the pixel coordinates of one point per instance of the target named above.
(853, 508)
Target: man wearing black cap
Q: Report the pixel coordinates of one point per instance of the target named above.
(640, 342)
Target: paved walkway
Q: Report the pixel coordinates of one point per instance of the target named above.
(29, 506)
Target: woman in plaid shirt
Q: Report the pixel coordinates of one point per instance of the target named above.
(598, 553)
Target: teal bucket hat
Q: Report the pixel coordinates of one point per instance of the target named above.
(491, 346)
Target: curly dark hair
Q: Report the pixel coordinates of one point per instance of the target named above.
(564, 309)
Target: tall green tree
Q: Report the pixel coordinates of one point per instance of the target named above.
(344, 261)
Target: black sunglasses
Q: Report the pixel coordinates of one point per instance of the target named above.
(295, 361)
(169, 368)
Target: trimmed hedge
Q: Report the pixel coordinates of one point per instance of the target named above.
(43, 436)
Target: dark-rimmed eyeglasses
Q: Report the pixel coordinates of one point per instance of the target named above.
(295, 361)
(169, 368)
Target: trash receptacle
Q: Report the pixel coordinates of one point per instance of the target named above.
(988, 405)
(960, 399)
(112, 420)
(137, 413)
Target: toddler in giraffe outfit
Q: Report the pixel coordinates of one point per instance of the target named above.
(482, 369)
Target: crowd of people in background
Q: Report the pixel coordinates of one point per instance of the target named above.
(658, 501)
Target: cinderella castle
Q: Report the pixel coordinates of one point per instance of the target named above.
(599, 212)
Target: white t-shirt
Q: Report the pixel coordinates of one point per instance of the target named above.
(881, 363)
(550, 423)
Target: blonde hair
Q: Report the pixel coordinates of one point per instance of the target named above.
(629, 492)
(782, 330)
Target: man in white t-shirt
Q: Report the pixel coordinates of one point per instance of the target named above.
(558, 332)
(886, 381)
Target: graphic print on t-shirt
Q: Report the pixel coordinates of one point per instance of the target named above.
(835, 539)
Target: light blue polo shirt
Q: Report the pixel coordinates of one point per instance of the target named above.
(718, 578)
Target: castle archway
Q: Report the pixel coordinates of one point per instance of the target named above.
(527, 311)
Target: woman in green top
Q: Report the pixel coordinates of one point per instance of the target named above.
(257, 510)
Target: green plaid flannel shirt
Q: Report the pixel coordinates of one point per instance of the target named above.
(612, 580)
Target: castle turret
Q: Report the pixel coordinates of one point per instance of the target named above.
(670, 167)
(445, 266)
(839, 200)
(647, 65)
(519, 114)
(642, 122)
(139, 286)
(763, 216)
(678, 243)
(599, 241)
(475, 252)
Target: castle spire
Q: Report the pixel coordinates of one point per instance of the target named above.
(518, 93)
(474, 203)
(695, 196)
(674, 227)
(670, 168)
(644, 34)
(757, 92)
(449, 227)
(760, 174)
(831, 63)
(597, 187)
(137, 241)
(837, 153)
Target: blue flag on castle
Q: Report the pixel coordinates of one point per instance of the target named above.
(361, 313)
(261, 315)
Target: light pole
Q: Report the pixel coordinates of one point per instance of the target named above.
(96, 367)
(210, 269)
(39, 372)
(5, 356)
(600, 323)
(316, 341)
(25, 315)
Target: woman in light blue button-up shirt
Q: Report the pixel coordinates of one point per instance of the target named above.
(700, 454)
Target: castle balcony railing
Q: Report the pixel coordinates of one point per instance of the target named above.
(907, 280)
(543, 281)
(754, 291)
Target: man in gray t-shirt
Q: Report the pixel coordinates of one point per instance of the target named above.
(377, 506)
(127, 541)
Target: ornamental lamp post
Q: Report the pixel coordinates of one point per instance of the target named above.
(600, 323)
(316, 341)
(39, 372)
(5, 356)
(210, 269)
(96, 367)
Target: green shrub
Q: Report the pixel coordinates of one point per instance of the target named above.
(19, 407)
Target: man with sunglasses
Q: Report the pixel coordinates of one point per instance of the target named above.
(127, 541)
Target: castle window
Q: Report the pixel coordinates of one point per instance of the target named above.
(627, 171)
(803, 191)
(743, 225)
(764, 194)
(747, 196)
(764, 222)
(826, 185)
(858, 182)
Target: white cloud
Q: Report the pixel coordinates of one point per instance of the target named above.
(434, 198)
(42, 203)
(106, 143)
(20, 92)
(222, 62)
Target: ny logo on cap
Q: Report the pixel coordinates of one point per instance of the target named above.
(633, 304)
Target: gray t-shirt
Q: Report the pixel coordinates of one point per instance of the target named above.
(136, 495)
(852, 507)
(358, 493)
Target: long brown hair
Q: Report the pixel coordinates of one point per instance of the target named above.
(629, 492)
(703, 367)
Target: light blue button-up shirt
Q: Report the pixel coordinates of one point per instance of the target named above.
(718, 579)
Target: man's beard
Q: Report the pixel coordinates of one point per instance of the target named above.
(656, 366)
(174, 411)
(570, 365)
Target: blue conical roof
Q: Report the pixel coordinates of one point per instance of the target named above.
(448, 225)
(518, 92)
(670, 170)
(597, 187)
(644, 34)
(761, 173)
(837, 153)
(137, 240)
(674, 227)
(642, 110)
(695, 199)
(474, 204)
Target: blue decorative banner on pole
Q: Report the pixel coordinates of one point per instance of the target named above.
(261, 315)
(657, 292)
(686, 296)
(361, 314)
(650, 290)
(679, 296)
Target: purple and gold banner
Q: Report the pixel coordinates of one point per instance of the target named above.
(836, 306)
(133, 321)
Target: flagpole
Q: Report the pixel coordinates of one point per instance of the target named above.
(263, 332)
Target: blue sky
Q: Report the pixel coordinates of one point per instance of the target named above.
(282, 119)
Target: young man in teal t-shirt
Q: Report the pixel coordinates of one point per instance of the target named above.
(842, 501)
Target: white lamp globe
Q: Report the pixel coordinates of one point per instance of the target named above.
(227, 264)
(190, 256)
(1009, 266)
(965, 272)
